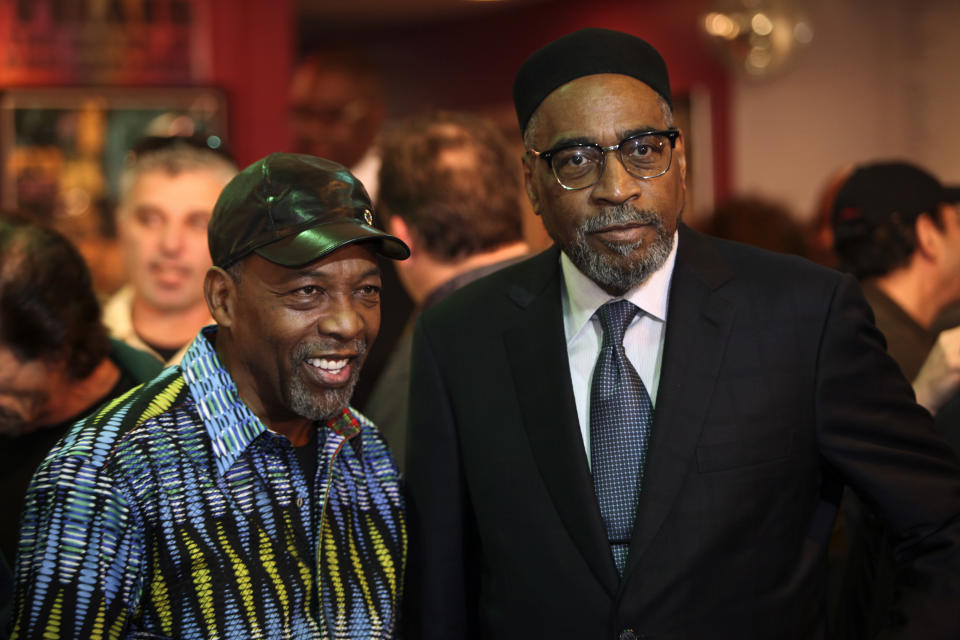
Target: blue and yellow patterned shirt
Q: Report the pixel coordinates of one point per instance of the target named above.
(173, 512)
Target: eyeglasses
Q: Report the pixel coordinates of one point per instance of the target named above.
(644, 155)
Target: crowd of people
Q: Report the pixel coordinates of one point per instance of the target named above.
(645, 431)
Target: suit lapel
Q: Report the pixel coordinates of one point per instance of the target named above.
(541, 374)
(699, 319)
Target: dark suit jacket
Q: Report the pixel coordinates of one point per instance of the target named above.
(775, 390)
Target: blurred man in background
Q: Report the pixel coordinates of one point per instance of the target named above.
(337, 111)
(897, 229)
(759, 222)
(57, 363)
(167, 192)
(450, 189)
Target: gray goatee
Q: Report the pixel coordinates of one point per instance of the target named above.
(328, 403)
(631, 265)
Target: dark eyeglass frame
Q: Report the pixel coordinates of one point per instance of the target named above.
(671, 134)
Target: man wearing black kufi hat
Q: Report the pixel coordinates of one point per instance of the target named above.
(644, 432)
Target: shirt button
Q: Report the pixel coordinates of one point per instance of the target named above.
(299, 501)
(627, 634)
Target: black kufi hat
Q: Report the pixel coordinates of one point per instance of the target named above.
(584, 53)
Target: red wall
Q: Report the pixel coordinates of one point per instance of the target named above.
(467, 63)
(253, 45)
(470, 63)
(244, 47)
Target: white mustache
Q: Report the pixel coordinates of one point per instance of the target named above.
(310, 349)
(621, 214)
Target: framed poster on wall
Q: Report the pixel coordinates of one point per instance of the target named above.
(63, 150)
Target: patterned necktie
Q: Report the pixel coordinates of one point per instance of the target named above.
(620, 418)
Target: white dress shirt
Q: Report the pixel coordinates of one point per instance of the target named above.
(117, 317)
(642, 342)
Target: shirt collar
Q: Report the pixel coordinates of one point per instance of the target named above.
(229, 422)
(583, 296)
(118, 315)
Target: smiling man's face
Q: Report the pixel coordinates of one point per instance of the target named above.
(301, 334)
(619, 230)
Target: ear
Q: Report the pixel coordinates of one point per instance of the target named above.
(929, 237)
(680, 157)
(220, 292)
(529, 162)
(121, 218)
(397, 226)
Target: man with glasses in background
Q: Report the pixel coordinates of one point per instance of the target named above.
(643, 431)
(167, 191)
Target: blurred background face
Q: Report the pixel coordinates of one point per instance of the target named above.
(163, 230)
(23, 392)
(333, 113)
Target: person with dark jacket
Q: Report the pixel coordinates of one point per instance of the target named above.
(644, 432)
(897, 230)
(450, 188)
(57, 363)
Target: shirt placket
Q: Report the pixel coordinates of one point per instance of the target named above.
(330, 457)
(288, 486)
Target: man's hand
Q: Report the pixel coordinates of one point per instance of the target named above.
(939, 377)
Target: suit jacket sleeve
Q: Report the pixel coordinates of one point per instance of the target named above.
(886, 448)
(440, 600)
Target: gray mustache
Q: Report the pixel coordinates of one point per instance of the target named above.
(307, 349)
(621, 214)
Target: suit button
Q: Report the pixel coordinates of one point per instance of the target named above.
(627, 634)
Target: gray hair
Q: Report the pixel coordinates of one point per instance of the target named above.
(179, 157)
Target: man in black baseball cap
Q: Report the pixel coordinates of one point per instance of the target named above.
(302, 229)
(897, 229)
(238, 494)
(292, 209)
(643, 432)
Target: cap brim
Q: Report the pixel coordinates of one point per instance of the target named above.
(320, 241)
(951, 194)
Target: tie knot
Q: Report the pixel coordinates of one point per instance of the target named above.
(614, 318)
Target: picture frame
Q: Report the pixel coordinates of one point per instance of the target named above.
(692, 115)
(63, 149)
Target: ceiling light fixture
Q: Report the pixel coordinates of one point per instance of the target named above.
(757, 37)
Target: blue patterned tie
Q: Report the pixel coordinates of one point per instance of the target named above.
(620, 418)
